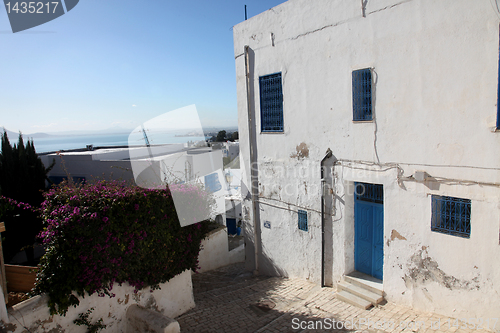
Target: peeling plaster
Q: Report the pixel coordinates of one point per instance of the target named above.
(394, 235)
(151, 304)
(7, 327)
(302, 151)
(423, 269)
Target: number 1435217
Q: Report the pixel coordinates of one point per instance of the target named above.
(31, 7)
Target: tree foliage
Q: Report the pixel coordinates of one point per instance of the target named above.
(221, 136)
(22, 178)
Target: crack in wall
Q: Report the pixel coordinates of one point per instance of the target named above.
(389, 7)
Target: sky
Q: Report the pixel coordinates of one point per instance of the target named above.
(119, 63)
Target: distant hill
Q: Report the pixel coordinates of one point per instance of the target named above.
(10, 134)
(13, 135)
(113, 130)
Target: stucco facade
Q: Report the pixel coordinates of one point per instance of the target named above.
(434, 67)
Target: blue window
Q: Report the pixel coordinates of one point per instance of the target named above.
(271, 103)
(362, 94)
(451, 216)
(303, 220)
(212, 183)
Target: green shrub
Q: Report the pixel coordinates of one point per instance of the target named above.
(97, 235)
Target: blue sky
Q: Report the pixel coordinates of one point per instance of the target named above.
(122, 62)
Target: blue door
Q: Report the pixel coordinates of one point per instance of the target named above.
(369, 229)
(231, 226)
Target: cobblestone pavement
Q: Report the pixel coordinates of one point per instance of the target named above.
(232, 300)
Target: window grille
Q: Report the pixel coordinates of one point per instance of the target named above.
(212, 183)
(362, 94)
(303, 220)
(369, 192)
(451, 216)
(271, 103)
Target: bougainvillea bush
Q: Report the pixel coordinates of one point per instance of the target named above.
(106, 233)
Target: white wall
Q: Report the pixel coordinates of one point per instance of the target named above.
(83, 165)
(435, 66)
(173, 299)
(113, 164)
(215, 251)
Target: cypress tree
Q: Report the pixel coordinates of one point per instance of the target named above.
(22, 178)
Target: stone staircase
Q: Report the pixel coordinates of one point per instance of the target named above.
(360, 290)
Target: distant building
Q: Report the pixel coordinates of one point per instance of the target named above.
(156, 164)
(230, 149)
(369, 142)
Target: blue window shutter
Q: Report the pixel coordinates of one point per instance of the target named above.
(362, 94)
(303, 220)
(271, 103)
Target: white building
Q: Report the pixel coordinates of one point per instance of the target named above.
(153, 166)
(404, 94)
(230, 149)
(144, 165)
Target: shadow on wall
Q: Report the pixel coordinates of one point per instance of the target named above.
(267, 266)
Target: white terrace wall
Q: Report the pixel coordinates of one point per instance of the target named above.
(435, 79)
(115, 164)
(215, 251)
(173, 299)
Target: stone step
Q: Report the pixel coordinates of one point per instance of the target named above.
(353, 300)
(365, 281)
(360, 292)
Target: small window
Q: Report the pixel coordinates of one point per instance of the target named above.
(362, 94)
(212, 183)
(451, 216)
(271, 103)
(303, 220)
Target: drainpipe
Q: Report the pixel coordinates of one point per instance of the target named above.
(327, 155)
(253, 163)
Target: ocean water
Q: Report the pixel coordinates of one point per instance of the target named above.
(57, 143)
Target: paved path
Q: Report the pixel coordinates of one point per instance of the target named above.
(232, 300)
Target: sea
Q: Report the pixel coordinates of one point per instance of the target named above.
(54, 143)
